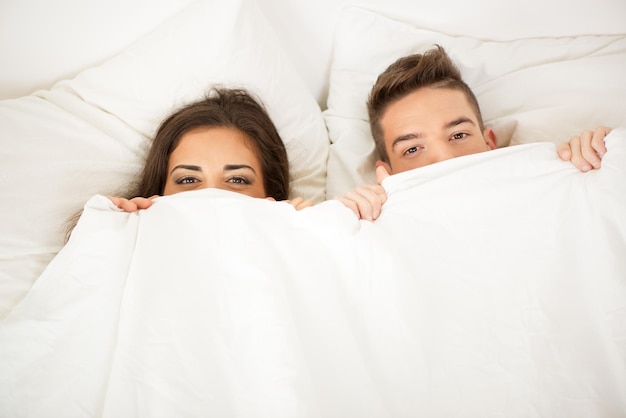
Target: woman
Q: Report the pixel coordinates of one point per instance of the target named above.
(226, 141)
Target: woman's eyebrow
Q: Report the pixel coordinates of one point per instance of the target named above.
(238, 166)
(186, 167)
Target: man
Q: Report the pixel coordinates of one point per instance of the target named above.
(422, 112)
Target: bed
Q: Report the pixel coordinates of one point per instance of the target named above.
(492, 284)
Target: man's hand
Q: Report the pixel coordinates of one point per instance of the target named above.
(585, 151)
(366, 201)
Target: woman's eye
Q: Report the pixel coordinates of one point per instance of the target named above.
(239, 180)
(186, 180)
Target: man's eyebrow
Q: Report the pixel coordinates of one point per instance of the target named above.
(228, 167)
(415, 135)
(458, 121)
(403, 138)
(186, 167)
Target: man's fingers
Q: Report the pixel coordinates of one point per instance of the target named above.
(381, 174)
(564, 151)
(577, 156)
(369, 200)
(364, 207)
(350, 205)
(588, 154)
(597, 141)
(378, 192)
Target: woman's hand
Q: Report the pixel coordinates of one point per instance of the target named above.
(300, 203)
(297, 202)
(134, 204)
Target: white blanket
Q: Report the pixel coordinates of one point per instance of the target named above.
(492, 285)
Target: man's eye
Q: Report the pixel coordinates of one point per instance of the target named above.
(459, 136)
(186, 180)
(411, 150)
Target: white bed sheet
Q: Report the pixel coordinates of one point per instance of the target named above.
(492, 285)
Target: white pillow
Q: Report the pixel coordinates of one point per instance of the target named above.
(529, 90)
(89, 135)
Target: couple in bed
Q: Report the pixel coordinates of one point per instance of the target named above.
(420, 110)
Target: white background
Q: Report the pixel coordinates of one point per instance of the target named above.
(42, 42)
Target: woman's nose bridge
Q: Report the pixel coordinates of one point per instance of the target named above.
(210, 183)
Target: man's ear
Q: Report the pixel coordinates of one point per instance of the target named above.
(490, 138)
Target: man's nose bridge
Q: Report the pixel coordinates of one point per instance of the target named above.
(442, 152)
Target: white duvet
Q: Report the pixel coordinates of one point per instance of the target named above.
(493, 285)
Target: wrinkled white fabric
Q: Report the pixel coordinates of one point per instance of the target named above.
(491, 285)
